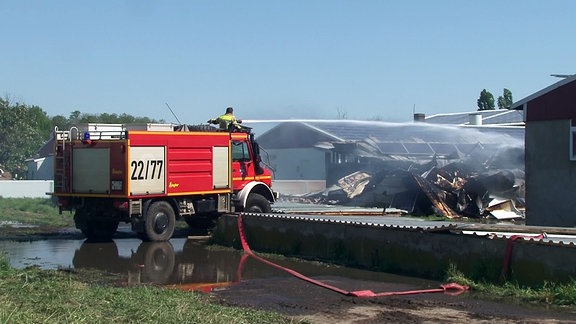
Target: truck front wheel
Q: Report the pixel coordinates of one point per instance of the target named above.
(257, 203)
(159, 222)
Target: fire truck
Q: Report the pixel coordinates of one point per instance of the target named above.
(150, 175)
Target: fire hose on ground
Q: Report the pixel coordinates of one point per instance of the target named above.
(450, 288)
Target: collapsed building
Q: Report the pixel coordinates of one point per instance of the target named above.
(483, 182)
(415, 168)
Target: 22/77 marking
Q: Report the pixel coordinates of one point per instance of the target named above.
(145, 170)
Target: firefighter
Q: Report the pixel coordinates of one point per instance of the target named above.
(227, 121)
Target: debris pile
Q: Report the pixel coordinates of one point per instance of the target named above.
(483, 185)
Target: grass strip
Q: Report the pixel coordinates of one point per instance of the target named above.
(549, 293)
(33, 211)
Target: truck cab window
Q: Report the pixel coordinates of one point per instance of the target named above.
(240, 152)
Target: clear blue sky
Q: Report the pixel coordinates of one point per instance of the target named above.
(280, 59)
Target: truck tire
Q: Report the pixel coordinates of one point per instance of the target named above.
(100, 230)
(159, 222)
(256, 203)
(95, 227)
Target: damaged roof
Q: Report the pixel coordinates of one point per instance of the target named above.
(390, 138)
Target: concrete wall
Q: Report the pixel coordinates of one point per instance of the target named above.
(26, 188)
(401, 251)
(550, 174)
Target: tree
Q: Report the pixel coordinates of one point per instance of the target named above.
(486, 101)
(505, 100)
(61, 122)
(74, 117)
(77, 117)
(23, 129)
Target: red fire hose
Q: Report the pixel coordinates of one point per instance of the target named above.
(508, 255)
(451, 288)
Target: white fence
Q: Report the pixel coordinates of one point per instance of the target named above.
(26, 188)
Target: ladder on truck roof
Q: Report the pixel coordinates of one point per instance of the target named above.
(62, 159)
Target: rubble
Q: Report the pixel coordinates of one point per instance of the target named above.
(480, 185)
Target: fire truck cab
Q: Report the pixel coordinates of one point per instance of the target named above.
(150, 175)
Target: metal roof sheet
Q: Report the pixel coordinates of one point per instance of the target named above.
(489, 117)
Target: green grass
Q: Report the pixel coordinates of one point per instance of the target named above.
(34, 211)
(66, 296)
(549, 293)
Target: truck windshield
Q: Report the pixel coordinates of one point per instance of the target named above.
(240, 152)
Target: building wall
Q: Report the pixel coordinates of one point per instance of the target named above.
(550, 174)
(556, 104)
(297, 164)
(41, 169)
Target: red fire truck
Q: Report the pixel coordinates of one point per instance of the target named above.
(150, 175)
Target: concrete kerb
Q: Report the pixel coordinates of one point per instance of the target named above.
(401, 251)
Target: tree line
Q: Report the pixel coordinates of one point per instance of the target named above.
(486, 100)
(25, 128)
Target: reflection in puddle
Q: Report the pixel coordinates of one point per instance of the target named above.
(185, 264)
(190, 266)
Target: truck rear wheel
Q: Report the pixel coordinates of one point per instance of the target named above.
(256, 203)
(95, 227)
(100, 230)
(159, 222)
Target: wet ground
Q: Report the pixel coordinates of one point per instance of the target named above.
(184, 263)
(233, 278)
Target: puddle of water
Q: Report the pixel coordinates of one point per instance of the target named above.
(49, 254)
(186, 263)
